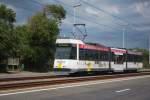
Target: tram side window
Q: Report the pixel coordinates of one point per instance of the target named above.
(86, 54)
(140, 59)
(129, 58)
(112, 56)
(100, 56)
(89, 54)
(107, 56)
(82, 54)
(134, 58)
(103, 56)
(73, 53)
(119, 59)
(94, 55)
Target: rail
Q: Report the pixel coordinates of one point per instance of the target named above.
(67, 80)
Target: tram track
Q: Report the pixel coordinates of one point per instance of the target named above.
(58, 81)
(30, 78)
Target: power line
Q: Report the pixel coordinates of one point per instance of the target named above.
(37, 2)
(105, 11)
(82, 2)
(132, 27)
(62, 3)
(19, 6)
(116, 17)
(87, 18)
(84, 19)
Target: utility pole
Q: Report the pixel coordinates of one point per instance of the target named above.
(123, 42)
(74, 22)
(123, 34)
(74, 14)
(149, 47)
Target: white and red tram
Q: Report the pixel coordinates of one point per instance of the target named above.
(74, 55)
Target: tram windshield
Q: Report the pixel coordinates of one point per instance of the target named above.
(65, 51)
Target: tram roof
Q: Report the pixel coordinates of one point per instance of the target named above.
(93, 47)
(135, 53)
(118, 51)
(68, 40)
(97, 44)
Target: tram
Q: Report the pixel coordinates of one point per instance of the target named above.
(74, 55)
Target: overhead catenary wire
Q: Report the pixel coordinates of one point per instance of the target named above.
(19, 6)
(84, 19)
(130, 26)
(99, 9)
(37, 2)
(83, 1)
(60, 2)
(87, 19)
(104, 11)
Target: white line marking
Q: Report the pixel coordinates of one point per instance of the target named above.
(123, 90)
(76, 85)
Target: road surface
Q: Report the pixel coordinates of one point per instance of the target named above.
(133, 89)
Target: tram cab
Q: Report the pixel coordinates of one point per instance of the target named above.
(76, 56)
(67, 55)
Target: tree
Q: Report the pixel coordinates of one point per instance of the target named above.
(7, 37)
(23, 35)
(33, 42)
(24, 48)
(57, 12)
(7, 15)
(146, 58)
(43, 31)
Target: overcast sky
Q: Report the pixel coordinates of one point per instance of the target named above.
(104, 19)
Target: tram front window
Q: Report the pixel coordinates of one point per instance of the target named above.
(65, 52)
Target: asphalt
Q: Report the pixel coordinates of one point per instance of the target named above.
(137, 89)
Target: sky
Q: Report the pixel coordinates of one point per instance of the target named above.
(105, 20)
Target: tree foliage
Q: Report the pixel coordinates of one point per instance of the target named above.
(43, 33)
(23, 35)
(146, 58)
(7, 15)
(9, 41)
(34, 42)
(56, 11)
